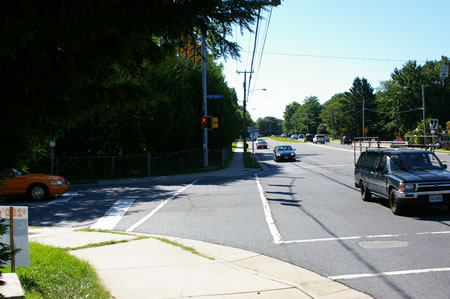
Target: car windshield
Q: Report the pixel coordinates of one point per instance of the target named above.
(16, 172)
(414, 161)
(284, 148)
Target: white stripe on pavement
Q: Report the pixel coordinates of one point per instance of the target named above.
(268, 214)
(406, 272)
(66, 197)
(114, 214)
(159, 207)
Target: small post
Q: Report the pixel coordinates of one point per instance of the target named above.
(148, 163)
(113, 166)
(11, 239)
(52, 145)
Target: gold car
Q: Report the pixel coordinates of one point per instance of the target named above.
(36, 186)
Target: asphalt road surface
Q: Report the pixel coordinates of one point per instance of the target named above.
(307, 213)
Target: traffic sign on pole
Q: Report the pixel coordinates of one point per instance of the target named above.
(434, 124)
(443, 71)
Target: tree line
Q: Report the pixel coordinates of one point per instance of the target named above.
(104, 77)
(395, 110)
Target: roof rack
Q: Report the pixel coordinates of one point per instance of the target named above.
(364, 143)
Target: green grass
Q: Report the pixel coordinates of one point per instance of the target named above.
(187, 248)
(105, 243)
(54, 273)
(137, 237)
(284, 139)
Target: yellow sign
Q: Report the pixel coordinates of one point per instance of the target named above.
(366, 130)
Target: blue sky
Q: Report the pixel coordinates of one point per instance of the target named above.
(318, 47)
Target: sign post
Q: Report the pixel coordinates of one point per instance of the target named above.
(434, 124)
(17, 235)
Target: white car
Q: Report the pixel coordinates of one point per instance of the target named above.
(319, 139)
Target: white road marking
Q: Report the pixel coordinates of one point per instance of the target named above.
(328, 166)
(114, 214)
(159, 207)
(277, 236)
(66, 198)
(406, 272)
(268, 214)
(361, 237)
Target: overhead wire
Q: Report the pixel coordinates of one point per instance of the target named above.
(264, 43)
(254, 52)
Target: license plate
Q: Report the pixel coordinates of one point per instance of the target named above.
(436, 198)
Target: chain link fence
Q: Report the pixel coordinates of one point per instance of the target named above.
(106, 167)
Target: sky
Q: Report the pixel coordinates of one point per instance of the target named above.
(318, 47)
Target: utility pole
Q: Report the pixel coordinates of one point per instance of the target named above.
(204, 100)
(424, 119)
(332, 125)
(244, 118)
(363, 108)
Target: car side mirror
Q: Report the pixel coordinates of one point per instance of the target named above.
(445, 166)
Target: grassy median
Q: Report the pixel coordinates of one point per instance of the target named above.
(54, 273)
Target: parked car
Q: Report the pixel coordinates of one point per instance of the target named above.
(309, 137)
(346, 140)
(283, 136)
(295, 137)
(261, 143)
(301, 136)
(319, 139)
(398, 142)
(36, 186)
(404, 177)
(283, 153)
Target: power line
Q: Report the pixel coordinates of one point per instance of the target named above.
(340, 57)
(254, 51)
(396, 112)
(263, 46)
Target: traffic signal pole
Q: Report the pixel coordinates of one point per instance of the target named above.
(204, 100)
(244, 114)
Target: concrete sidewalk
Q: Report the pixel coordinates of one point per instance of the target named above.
(151, 268)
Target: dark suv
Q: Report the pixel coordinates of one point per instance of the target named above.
(404, 177)
(346, 140)
(309, 137)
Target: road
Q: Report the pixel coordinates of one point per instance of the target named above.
(307, 213)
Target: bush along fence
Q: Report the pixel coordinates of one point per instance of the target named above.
(105, 167)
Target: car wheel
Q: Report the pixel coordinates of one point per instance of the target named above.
(393, 203)
(365, 193)
(37, 192)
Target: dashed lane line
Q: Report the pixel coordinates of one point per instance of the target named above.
(362, 237)
(159, 207)
(66, 197)
(391, 273)
(114, 214)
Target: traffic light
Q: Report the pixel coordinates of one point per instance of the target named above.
(214, 122)
(189, 52)
(192, 52)
(204, 122)
(197, 53)
(209, 122)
